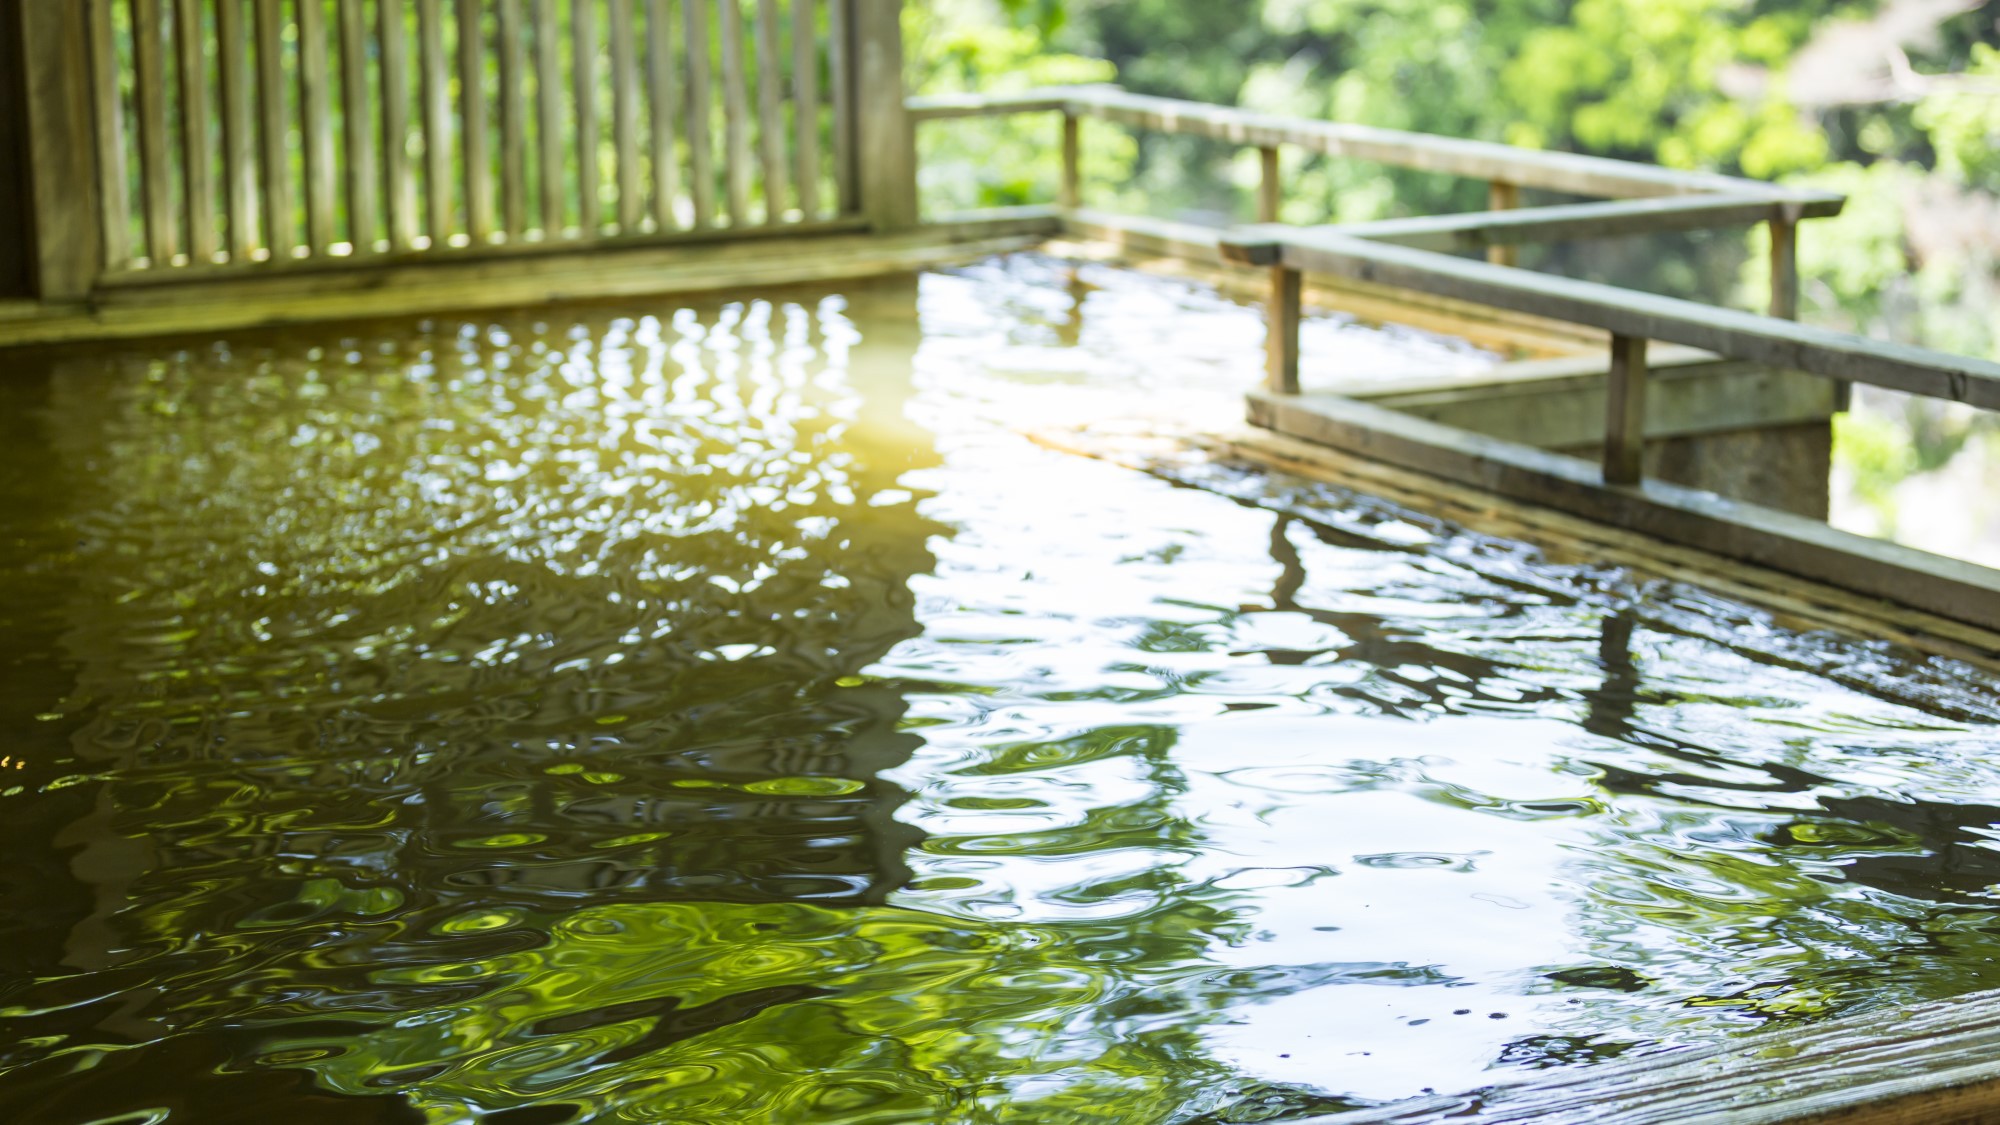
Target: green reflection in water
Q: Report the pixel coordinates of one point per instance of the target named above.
(632, 714)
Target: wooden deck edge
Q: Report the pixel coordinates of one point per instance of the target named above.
(390, 290)
(1948, 588)
(1802, 604)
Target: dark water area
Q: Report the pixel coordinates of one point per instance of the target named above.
(717, 712)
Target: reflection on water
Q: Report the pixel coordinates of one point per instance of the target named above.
(718, 713)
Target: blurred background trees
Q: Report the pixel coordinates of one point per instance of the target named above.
(1895, 102)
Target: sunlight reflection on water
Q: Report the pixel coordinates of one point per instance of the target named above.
(720, 713)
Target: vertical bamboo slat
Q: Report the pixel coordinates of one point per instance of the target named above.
(771, 113)
(840, 72)
(149, 67)
(805, 103)
(197, 156)
(239, 137)
(625, 115)
(357, 125)
(472, 122)
(735, 115)
(513, 121)
(108, 125)
(701, 164)
(401, 187)
(274, 166)
(548, 114)
(313, 95)
(436, 93)
(583, 33)
(1625, 412)
(665, 101)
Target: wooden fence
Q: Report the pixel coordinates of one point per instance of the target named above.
(228, 135)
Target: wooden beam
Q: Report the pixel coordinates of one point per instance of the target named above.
(197, 151)
(776, 170)
(886, 148)
(1486, 230)
(513, 120)
(274, 169)
(840, 74)
(357, 119)
(947, 107)
(1798, 347)
(663, 91)
(701, 114)
(735, 115)
(239, 131)
(399, 174)
(317, 131)
(1270, 185)
(472, 101)
(149, 88)
(1951, 588)
(805, 104)
(625, 116)
(1502, 196)
(108, 115)
(1282, 314)
(68, 244)
(1069, 193)
(1625, 412)
(436, 94)
(1784, 228)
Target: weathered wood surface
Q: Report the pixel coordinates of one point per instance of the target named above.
(550, 181)
(1625, 411)
(1798, 347)
(885, 148)
(436, 96)
(316, 130)
(357, 127)
(239, 133)
(197, 153)
(583, 78)
(770, 114)
(149, 90)
(701, 114)
(662, 90)
(513, 119)
(625, 115)
(274, 152)
(108, 121)
(688, 263)
(735, 115)
(805, 103)
(475, 149)
(1283, 309)
(1483, 160)
(61, 172)
(1948, 587)
(1500, 228)
(400, 195)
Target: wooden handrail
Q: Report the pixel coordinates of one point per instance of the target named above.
(1523, 168)
(1624, 312)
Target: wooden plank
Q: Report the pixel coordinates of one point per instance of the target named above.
(840, 75)
(625, 115)
(477, 151)
(1282, 313)
(501, 276)
(357, 119)
(150, 91)
(399, 173)
(1484, 230)
(314, 95)
(1625, 412)
(1270, 185)
(108, 122)
(1797, 347)
(1795, 544)
(885, 146)
(1069, 190)
(435, 90)
(1147, 236)
(1503, 196)
(61, 173)
(583, 67)
(513, 120)
(239, 131)
(701, 114)
(274, 166)
(771, 113)
(663, 92)
(805, 103)
(197, 151)
(735, 115)
(549, 116)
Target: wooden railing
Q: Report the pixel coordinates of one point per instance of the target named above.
(224, 135)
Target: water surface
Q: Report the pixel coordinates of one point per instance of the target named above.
(718, 712)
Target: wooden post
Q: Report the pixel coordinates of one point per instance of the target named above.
(1785, 267)
(1270, 188)
(886, 151)
(16, 220)
(1625, 412)
(60, 158)
(1069, 194)
(1503, 196)
(1281, 331)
